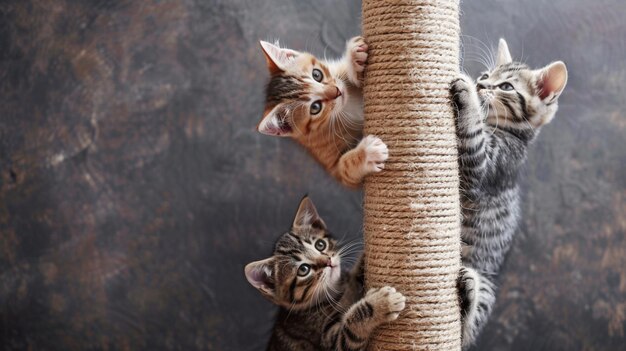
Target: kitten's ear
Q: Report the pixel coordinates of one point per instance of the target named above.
(277, 58)
(260, 276)
(307, 215)
(552, 80)
(504, 56)
(275, 122)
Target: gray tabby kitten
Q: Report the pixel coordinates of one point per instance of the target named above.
(321, 307)
(497, 118)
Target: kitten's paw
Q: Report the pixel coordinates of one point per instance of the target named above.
(465, 103)
(376, 153)
(477, 295)
(387, 303)
(356, 53)
(468, 289)
(460, 90)
(357, 49)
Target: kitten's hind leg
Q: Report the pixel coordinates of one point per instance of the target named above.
(477, 295)
(353, 330)
(368, 157)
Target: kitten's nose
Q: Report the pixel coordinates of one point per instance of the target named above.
(326, 261)
(331, 93)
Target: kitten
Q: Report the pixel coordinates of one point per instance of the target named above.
(496, 119)
(320, 105)
(321, 307)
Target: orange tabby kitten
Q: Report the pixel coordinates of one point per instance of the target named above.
(320, 105)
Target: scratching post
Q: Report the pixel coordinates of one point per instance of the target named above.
(412, 211)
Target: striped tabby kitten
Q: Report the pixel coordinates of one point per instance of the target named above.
(497, 118)
(319, 104)
(321, 307)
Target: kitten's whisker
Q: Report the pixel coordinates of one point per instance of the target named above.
(350, 248)
(356, 240)
(528, 123)
(352, 242)
(341, 136)
(485, 53)
(334, 304)
(293, 304)
(350, 251)
(333, 132)
(341, 241)
(350, 255)
(480, 59)
(343, 124)
(349, 120)
(292, 107)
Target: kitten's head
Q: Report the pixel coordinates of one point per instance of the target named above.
(305, 265)
(519, 97)
(301, 95)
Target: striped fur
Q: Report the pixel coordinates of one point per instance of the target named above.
(325, 309)
(497, 118)
(334, 135)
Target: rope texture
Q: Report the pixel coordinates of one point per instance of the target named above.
(412, 210)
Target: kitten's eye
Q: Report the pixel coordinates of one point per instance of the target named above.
(316, 107)
(303, 270)
(320, 245)
(317, 75)
(506, 86)
(484, 76)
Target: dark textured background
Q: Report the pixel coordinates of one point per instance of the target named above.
(133, 187)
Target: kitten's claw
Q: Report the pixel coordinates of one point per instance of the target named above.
(356, 53)
(387, 303)
(376, 153)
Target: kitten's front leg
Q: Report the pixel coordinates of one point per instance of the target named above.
(368, 157)
(470, 132)
(353, 330)
(354, 59)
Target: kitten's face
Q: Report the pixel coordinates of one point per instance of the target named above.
(516, 96)
(302, 93)
(305, 266)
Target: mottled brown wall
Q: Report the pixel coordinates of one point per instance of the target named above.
(133, 187)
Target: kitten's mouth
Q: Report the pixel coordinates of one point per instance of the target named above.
(339, 102)
(485, 96)
(340, 94)
(334, 268)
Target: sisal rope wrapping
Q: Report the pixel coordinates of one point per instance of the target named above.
(412, 210)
